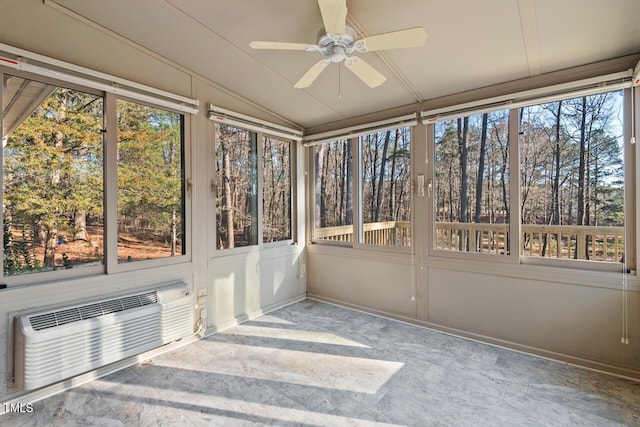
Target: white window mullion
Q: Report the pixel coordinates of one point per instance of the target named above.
(110, 185)
(357, 191)
(429, 190)
(632, 176)
(260, 183)
(515, 243)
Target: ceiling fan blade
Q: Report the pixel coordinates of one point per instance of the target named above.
(311, 75)
(364, 71)
(281, 45)
(411, 37)
(334, 15)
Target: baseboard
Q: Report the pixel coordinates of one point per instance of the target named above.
(246, 317)
(618, 371)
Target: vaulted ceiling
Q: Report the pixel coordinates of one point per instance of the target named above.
(471, 44)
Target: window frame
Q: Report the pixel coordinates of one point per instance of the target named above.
(631, 158)
(111, 195)
(261, 245)
(357, 196)
(358, 226)
(109, 261)
(291, 152)
(514, 219)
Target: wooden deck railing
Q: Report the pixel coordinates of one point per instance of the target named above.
(472, 237)
(388, 233)
(550, 241)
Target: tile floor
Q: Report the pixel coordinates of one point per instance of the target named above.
(316, 364)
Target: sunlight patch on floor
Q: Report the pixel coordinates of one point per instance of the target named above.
(330, 371)
(267, 318)
(224, 408)
(293, 334)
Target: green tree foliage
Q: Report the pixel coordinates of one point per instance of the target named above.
(52, 173)
(150, 180)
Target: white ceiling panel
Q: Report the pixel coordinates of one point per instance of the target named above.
(471, 44)
(581, 32)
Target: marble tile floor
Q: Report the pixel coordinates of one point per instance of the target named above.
(317, 364)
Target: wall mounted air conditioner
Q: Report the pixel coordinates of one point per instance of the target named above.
(53, 345)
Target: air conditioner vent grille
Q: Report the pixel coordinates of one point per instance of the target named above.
(111, 306)
(67, 316)
(88, 311)
(148, 298)
(43, 321)
(131, 302)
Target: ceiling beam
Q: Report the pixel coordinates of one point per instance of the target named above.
(529, 25)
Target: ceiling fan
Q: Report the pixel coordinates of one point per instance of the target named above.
(339, 40)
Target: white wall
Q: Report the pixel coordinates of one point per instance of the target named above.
(237, 285)
(565, 314)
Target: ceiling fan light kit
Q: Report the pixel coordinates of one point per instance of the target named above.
(338, 40)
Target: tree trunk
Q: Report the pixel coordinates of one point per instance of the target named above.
(80, 226)
(174, 232)
(392, 180)
(343, 184)
(50, 248)
(349, 189)
(581, 170)
(383, 164)
(556, 176)
(463, 129)
(555, 186)
(227, 197)
(480, 177)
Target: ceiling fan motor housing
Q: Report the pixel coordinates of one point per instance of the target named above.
(336, 46)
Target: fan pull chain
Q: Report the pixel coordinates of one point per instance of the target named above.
(340, 81)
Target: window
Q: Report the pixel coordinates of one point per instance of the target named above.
(52, 177)
(386, 187)
(572, 178)
(150, 175)
(333, 216)
(62, 165)
(276, 200)
(236, 187)
(471, 194)
(240, 221)
(381, 198)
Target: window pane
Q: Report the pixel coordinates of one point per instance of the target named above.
(276, 200)
(53, 179)
(386, 188)
(471, 195)
(572, 181)
(333, 191)
(236, 187)
(150, 177)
